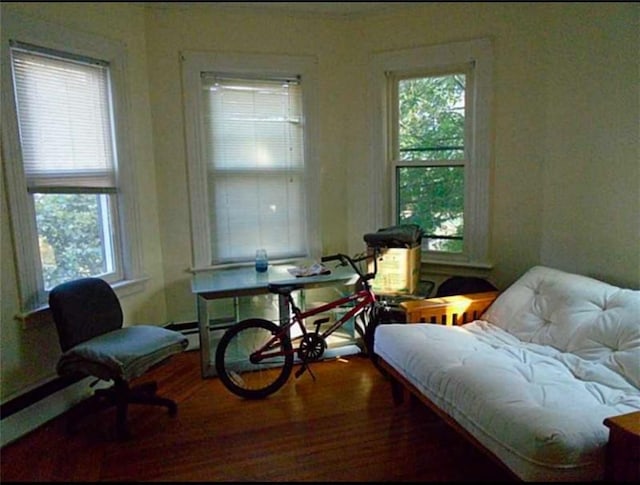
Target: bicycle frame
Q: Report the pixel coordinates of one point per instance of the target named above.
(256, 344)
(362, 298)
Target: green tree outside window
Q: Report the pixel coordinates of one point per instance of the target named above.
(431, 132)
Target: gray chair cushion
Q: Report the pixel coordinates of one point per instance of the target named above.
(124, 353)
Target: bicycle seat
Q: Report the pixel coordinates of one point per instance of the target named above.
(401, 236)
(282, 288)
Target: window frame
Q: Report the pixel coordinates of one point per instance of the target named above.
(249, 65)
(30, 31)
(427, 61)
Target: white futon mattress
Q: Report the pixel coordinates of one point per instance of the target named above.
(536, 408)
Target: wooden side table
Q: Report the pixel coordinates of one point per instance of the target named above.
(623, 449)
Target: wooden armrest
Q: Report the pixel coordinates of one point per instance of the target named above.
(449, 310)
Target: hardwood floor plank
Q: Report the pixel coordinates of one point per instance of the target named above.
(341, 427)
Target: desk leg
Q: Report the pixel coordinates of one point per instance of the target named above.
(283, 310)
(236, 309)
(207, 369)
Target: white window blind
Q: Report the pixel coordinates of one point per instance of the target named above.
(65, 123)
(253, 146)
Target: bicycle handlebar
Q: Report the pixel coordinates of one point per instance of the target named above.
(333, 257)
(344, 259)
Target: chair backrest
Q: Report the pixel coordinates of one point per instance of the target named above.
(462, 285)
(83, 309)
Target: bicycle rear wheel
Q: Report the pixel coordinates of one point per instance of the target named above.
(244, 376)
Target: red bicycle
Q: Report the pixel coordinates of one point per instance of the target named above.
(255, 357)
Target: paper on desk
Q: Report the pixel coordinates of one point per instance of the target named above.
(313, 270)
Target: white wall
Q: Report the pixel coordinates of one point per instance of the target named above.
(566, 181)
(532, 105)
(591, 177)
(170, 31)
(518, 117)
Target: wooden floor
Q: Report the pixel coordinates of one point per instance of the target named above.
(342, 427)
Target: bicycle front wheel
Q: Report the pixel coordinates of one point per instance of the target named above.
(241, 371)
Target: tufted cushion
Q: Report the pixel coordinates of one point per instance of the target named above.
(593, 320)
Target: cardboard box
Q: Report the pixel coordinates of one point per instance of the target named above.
(398, 271)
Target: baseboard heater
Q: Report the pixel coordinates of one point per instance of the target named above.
(31, 397)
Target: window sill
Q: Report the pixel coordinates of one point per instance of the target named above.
(42, 315)
(129, 287)
(435, 266)
(246, 264)
(37, 316)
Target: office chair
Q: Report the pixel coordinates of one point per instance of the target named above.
(89, 321)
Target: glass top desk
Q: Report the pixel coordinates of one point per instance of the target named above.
(231, 283)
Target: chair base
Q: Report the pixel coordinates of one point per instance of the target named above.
(121, 395)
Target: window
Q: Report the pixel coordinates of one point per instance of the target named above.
(255, 156)
(66, 162)
(65, 123)
(428, 165)
(434, 160)
(255, 167)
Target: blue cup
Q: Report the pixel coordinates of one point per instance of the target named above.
(262, 261)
